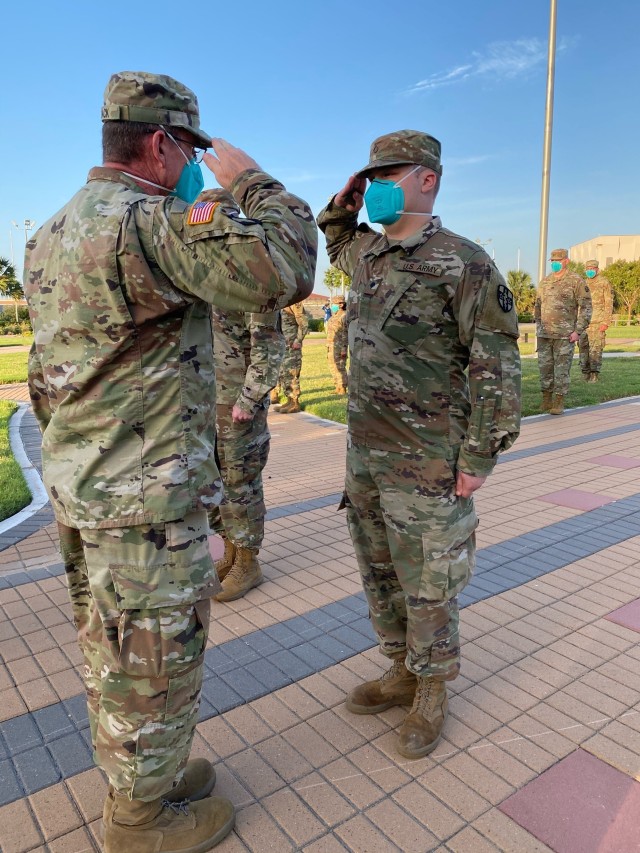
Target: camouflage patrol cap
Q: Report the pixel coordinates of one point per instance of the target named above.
(592, 265)
(153, 98)
(559, 254)
(403, 146)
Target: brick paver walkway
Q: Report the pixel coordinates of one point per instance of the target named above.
(546, 675)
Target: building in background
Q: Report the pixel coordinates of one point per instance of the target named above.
(607, 248)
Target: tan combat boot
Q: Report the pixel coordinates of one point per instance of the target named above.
(594, 377)
(396, 687)
(134, 826)
(420, 733)
(197, 782)
(245, 574)
(224, 564)
(274, 396)
(290, 407)
(558, 405)
(547, 398)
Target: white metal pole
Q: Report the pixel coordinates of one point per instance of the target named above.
(546, 154)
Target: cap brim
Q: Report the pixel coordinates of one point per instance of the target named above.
(380, 164)
(203, 139)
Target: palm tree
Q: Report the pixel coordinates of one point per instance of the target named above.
(524, 292)
(9, 284)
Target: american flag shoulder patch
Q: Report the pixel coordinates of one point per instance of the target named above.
(201, 212)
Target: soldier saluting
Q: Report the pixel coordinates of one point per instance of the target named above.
(120, 284)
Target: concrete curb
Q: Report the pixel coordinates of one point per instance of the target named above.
(39, 496)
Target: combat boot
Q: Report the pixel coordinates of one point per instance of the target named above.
(274, 396)
(594, 377)
(135, 826)
(290, 407)
(396, 687)
(420, 733)
(558, 405)
(341, 390)
(224, 564)
(547, 397)
(197, 782)
(244, 575)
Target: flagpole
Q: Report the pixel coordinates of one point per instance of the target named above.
(546, 154)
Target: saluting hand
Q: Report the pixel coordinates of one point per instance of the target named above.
(229, 162)
(351, 196)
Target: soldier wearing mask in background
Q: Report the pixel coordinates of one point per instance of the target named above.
(423, 434)
(562, 313)
(592, 340)
(120, 284)
(337, 347)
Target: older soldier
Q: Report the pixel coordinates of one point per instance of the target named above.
(119, 284)
(337, 347)
(295, 324)
(248, 352)
(425, 304)
(562, 313)
(592, 340)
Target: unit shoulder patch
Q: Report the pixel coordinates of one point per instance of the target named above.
(505, 298)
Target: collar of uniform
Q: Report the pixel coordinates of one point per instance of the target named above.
(103, 173)
(382, 245)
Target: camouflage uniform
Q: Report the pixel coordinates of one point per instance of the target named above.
(248, 352)
(563, 306)
(295, 324)
(119, 285)
(593, 339)
(337, 348)
(419, 312)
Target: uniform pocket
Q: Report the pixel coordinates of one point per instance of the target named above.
(449, 559)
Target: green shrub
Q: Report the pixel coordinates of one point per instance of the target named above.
(316, 325)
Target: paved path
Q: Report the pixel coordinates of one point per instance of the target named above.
(544, 719)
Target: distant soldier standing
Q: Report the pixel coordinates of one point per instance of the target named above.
(434, 396)
(295, 324)
(562, 313)
(120, 284)
(337, 347)
(592, 341)
(248, 352)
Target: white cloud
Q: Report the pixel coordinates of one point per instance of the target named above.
(502, 60)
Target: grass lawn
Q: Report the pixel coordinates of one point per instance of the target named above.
(16, 340)
(620, 377)
(13, 367)
(14, 494)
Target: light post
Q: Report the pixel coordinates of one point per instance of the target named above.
(29, 225)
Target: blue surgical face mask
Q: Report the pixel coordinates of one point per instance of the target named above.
(556, 266)
(385, 200)
(191, 182)
(591, 273)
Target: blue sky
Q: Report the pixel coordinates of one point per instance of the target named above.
(305, 86)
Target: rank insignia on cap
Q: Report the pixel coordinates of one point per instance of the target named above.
(201, 212)
(505, 298)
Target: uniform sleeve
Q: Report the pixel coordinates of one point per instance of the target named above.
(302, 320)
(607, 298)
(344, 236)
(585, 308)
(267, 352)
(258, 263)
(38, 389)
(489, 328)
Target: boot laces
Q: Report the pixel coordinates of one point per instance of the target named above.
(180, 807)
(424, 698)
(396, 671)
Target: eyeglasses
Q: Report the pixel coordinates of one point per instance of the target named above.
(197, 154)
